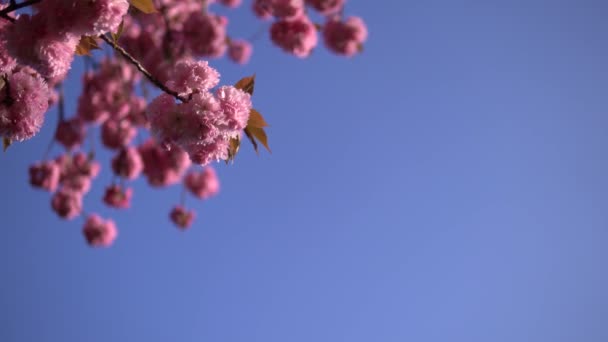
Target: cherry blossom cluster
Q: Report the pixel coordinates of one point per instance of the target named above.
(167, 138)
(295, 33)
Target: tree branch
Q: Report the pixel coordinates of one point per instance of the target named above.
(141, 68)
(13, 6)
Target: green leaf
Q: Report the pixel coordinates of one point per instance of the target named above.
(146, 6)
(246, 84)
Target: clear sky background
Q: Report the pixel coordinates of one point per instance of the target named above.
(449, 184)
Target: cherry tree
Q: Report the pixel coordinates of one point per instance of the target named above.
(166, 44)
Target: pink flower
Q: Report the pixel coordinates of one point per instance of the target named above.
(77, 172)
(7, 62)
(32, 43)
(99, 232)
(231, 3)
(106, 15)
(67, 203)
(118, 197)
(235, 105)
(172, 123)
(326, 7)
(284, 9)
(70, 133)
(189, 76)
(203, 184)
(84, 17)
(85, 165)
(205, 34)
(206, 153)
(127, 163)
(107, 92)
(345, 37)
(181, 217)
(137, 112)
(262, 9)
(117, 133)
(297, 36)
(77, 183)
(23, 102)
(239, 51)
(45, 175)
(163, 167)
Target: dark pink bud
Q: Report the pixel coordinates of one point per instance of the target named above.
(118, 197)
(181, 217)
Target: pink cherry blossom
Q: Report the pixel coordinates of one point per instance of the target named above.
(345, 37)
(297, 36)
(205, 34)
(172, 123)
(83, 17)
(70, 133)
(213, 151)
(45, 175)
(67, 203)
(240, 51)
(326, 7)
(107, 92)
(77, 172)
(23, 103)
(127, 163)
(190, 76)
(284, 9)
(7, 62)
(163, 167)
(235, 106)
(117, 133)
(231, 3)
(262, 9)
(32, 43)
(203, 184)
(99, 232)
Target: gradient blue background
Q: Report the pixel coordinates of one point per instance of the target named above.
(449, 184)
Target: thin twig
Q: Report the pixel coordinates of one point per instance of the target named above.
(61, 118)
(141, 68)
(258, 33)
(13, 6)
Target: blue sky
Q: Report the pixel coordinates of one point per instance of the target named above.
(449, 184)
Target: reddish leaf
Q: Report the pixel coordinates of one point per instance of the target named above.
(146, 6)
(246, 84)
(85, 45)
(256, 133)
(256, 119)
(116, 36)
(6, 142)
(233, 149)
(252, 140)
